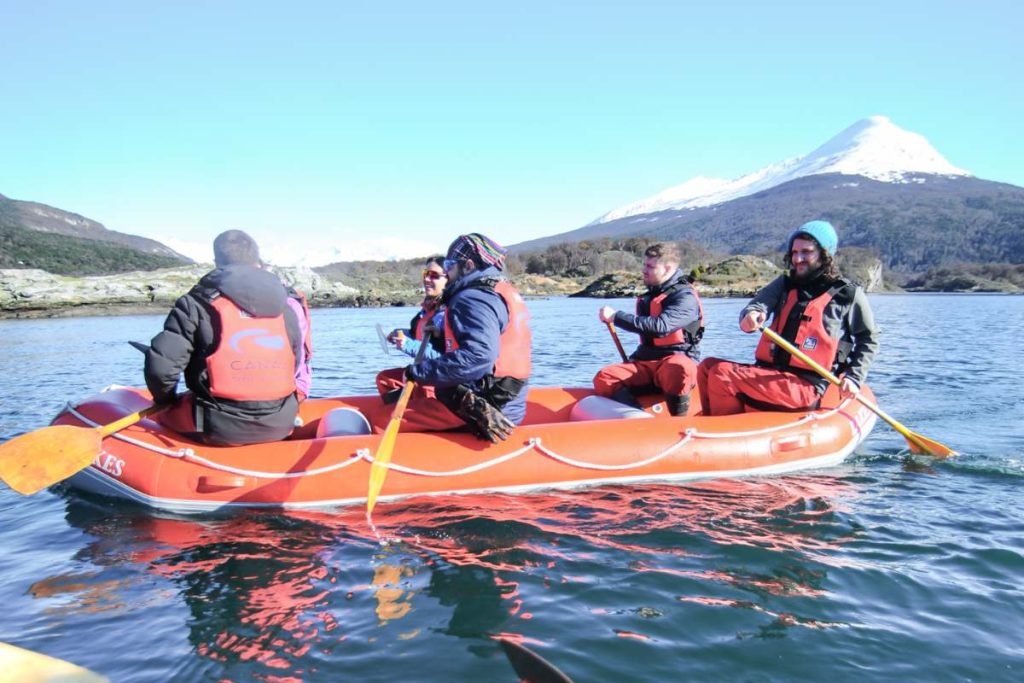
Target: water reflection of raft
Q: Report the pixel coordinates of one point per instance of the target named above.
(570, 438)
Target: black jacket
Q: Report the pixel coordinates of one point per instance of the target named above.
(679, 310)
(190, 335)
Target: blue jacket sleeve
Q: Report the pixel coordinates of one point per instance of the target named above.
(411, 346)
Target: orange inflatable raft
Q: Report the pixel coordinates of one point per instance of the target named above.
(570, 438)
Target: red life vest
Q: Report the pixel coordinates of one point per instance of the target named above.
(810, 336)
(690, 334)
(515, 341)
(253, 360)
(421, 319)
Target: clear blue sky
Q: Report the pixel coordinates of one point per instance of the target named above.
(348, 121)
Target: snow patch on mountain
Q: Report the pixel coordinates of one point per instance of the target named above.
(874, 148)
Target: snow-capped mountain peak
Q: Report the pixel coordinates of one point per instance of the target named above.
(874, 148)
(879, 149)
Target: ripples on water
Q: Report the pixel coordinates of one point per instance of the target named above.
(885, 568)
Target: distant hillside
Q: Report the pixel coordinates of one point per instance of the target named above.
(380, 283)
(927, 221)
(34, 235)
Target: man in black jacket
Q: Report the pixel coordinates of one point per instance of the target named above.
(670, 321)
(237, 340)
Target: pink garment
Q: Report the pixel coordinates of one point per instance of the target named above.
(303, 372)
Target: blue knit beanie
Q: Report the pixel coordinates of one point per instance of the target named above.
(821, 231)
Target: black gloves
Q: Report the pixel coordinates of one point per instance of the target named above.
(484, 420)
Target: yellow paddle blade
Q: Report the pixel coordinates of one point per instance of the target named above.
(379, 470)
(916, 442)
(925, 446)
(33, 461)
(26, 666)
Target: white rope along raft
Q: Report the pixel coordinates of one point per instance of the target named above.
(532, 443)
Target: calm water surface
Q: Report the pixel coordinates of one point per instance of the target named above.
(885, 568)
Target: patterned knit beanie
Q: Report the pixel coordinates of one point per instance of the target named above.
(480, 249)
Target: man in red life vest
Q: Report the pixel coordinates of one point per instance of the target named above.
(237, 341)
(480, 381)
(818, 311)
(670, 321)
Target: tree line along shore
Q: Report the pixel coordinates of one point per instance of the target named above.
(569, 271)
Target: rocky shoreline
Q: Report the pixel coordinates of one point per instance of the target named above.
(28, 293)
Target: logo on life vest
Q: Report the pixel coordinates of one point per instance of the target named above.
(260, 337)
(810, 343)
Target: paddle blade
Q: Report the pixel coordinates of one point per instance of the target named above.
(922, 445)
(18, 664)
(383, 338)
(379, 469)
(918, 444)
(33, 461)
(530, 666)
(139, 346)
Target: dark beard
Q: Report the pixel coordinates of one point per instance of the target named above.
(812, 285)
(449, 287)
(807, 278)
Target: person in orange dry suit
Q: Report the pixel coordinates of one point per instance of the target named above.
(814, 308)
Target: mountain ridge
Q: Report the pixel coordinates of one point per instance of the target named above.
(874, 148)
(913, 226)
(36, 235)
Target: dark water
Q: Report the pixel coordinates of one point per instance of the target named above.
(885, 568)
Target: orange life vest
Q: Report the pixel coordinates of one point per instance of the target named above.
(421, 319)
(516, 339)
(253, 360)
(690, 334)
(810, 335)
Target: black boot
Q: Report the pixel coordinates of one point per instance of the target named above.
(678, 405)
(625, 396)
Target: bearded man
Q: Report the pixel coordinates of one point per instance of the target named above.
(814, 308)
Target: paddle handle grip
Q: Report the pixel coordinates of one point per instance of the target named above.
(128, 420)
(792, 350)
(615, 338)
